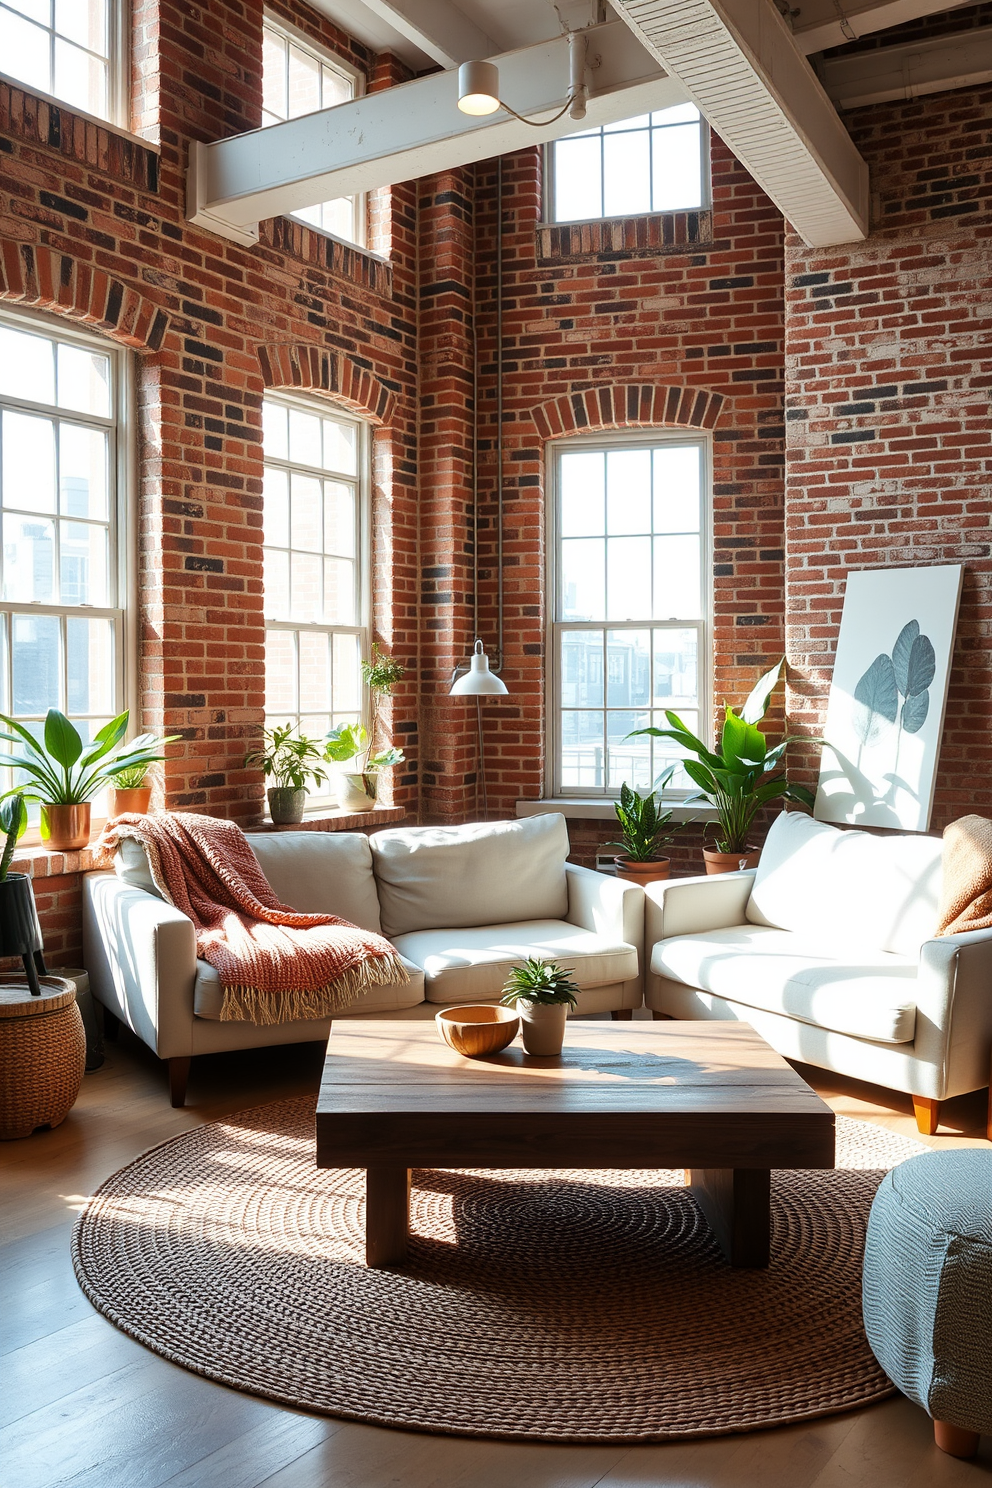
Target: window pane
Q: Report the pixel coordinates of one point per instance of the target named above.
(338, 217)
(89, 651)
(628, 759)
(582, 511)
(676, 578)
(578, 179)
(276, 584)
(26, 366)
(274, 73)
(80, 78)
(315, 670)
(24, 49)
(83, 21)
(28, 462)
(84, 380)
(677, 489)
(677, 173)
(628, 580)
(347, 675)
(83, 489)
(83, 563)
(628, 491)
(340, 447)
(682, 113)
(306, 600)
(304, 82)
(35, 669)
(583, 756)
(304, 438)
(306, 515)
(675, 669)
(581, 667)
(280, 674)
(339, 591)
(667, 752)
(583, 595)
(336, 88)
(628, 668)
(339, 519)
(275, 430)
(37, 10)
(626, 174)
(275, 507)
(28, 559)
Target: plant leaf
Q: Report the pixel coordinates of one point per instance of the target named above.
(754, 709)
(876, 700)
(914, 712)
(900, 653)
(741, 743)
(922, 667)
(62, 739)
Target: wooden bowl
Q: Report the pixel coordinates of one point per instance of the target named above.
(478, 1028)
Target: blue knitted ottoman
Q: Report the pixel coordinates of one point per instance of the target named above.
(927, 1290)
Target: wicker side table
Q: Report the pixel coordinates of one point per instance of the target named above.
(42, 1054)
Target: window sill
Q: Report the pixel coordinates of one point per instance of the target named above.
(338, 821)
(637, 237)
(312, 244)
(578, 808)
(77, 113)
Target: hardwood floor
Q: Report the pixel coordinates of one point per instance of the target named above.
(81, 1404)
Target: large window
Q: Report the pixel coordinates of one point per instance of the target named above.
(315, 553)
(62, 609)
(298, 78)
(654, 163)
(630, 637)
(65, 48)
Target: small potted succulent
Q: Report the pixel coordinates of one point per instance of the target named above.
(542, 993)
(291, 759)
(358, 789)
(128, 791)
(644, 831)
(20, 932)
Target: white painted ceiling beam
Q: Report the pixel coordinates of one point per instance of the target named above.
(739, 63)
(437, 27)
(909, 70)
(413, 130)
(826, 23)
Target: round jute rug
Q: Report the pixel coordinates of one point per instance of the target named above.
(555, 1306)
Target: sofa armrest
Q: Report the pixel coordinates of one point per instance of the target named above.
(606, 905)
(141, 956)
(954, 1009)
(687, 906)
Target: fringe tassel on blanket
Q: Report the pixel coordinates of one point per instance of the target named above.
(251, 1005)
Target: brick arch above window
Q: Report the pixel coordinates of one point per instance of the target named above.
(628, 406)
(30, 275)
(310, 369)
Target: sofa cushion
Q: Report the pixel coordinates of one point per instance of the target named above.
(822, 880)
(486, 873)
(321, 873)
(395, 996)
(850, 989)
(475, 963)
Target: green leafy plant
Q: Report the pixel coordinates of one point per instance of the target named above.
(132, 777)
(291, 759)
(13, 820)
(353, 741)
(544, 982)
(644, 830)
(737, 777)
(62, 770)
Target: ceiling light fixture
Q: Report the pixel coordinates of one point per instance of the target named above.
(478, 87)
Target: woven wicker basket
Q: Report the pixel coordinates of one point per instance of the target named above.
(42, 1054)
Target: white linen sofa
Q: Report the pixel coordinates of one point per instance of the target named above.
(828, 950)
(461, 904)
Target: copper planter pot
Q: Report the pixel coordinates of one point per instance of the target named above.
(65, 828)
(718, 862)
(136, 798)
(643, 873)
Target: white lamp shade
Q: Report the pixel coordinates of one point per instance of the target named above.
(478, 88)
(478, 681)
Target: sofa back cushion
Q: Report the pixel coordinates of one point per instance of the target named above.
(822, 880)
(486, 873)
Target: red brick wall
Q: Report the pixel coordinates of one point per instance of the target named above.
(888, 424)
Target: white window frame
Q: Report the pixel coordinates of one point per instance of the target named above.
(122, 525)
(705, 184)
(118, 71)
(322, 796)
(651, 438)
(327, 58)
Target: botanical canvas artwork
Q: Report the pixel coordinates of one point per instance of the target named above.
(888, 694)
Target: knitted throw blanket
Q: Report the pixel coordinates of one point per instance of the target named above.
(275, 964)
(966, 892)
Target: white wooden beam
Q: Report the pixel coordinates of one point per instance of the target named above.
(437, 27)
(910, 70)
(830, 23)
(413, 130)
(739, 63)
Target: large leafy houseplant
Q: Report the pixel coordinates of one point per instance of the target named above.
(741, 774)
(291, 760)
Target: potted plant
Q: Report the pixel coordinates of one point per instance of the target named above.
(643, 833)
(358, 789)
(128, 790)
(542, 993)
(737, 777)
(64, 774)
(20, 932)
(291, 759)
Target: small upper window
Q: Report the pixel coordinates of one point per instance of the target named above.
(653, 163)
(298, 78)
(64, 48)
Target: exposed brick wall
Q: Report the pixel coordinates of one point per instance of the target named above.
(889, 373)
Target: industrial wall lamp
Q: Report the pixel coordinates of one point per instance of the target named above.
(478, 87)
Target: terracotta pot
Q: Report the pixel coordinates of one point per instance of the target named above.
(356, 792)
(542, 1025)
(136, 798)
(286, 805)
(65, 828)
(718, 862)
(643, 873)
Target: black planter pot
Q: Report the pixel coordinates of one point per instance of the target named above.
(20, 932)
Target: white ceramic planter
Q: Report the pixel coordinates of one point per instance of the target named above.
(352, 795)
(542, 1026)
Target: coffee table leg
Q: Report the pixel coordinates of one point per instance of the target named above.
(387, 1215)
(737, 1204)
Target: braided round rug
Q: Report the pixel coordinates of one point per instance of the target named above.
(546, 1306)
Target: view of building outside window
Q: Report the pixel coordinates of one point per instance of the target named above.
(60, 47)
(653, 163)
(630, 638)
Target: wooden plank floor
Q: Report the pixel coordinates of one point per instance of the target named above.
(81, 1404)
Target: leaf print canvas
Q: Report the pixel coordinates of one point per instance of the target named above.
(888, 694)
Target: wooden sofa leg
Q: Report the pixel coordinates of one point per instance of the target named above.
(956, 1441)
(178, 1076)
(622, 1015)
(927, 1114)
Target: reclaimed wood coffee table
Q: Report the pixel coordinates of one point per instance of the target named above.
(712, 1098)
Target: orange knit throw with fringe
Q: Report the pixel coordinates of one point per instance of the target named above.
(966, 894)
(275, 964)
